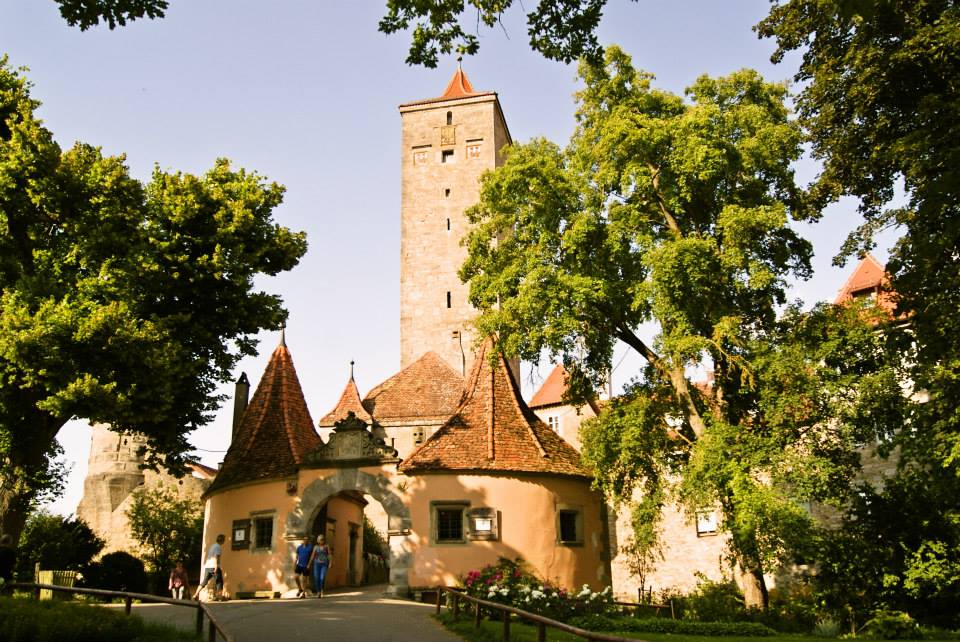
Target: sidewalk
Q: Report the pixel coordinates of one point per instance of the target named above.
(360, 614)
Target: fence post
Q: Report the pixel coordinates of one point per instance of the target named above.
(506, 626)
(672, 614)
(456, 606)
(199, 620)
(476, 615)
(211, 632)
(541, 632)
(439, 594)
(127, 604)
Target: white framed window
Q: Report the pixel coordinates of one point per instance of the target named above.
(554, 423)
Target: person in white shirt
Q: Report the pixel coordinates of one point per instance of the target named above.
(212, 569)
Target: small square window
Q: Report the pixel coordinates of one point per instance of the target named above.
(450, 524)
(446, 156)
(706, 523)
(263, 532)
(554, 423)
(570, 525)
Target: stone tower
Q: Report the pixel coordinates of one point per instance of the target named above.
(448, 142)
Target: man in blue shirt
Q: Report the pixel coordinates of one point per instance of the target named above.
(304, 552)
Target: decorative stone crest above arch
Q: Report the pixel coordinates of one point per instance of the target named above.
(378, 487)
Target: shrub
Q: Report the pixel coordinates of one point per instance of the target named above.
(117, 571)
(57, 543)
(509, 582)
(51, 621)
(892, 625)
(826, 627)
(664, 625)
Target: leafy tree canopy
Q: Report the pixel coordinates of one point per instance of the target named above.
(89, 13)
(169, 527)
(881, 103)
(120, 302)
(676, 211)
(57, 543)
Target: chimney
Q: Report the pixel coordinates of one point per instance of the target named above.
(240, 398)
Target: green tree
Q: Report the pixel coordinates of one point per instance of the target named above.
(559, 29)
(57, 543)
(881, 103)
(120, 302)
(169, 528)
(677, 212)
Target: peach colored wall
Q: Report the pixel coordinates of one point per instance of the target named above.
(247, 570)
(528, 517)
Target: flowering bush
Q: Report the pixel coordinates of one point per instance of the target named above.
(509, 582)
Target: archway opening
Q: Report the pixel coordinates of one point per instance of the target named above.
(354, 525)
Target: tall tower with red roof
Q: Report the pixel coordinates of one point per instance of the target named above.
(448, 142)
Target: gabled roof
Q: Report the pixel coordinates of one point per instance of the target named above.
(426, 389)
(276, 430)
(551, 392)
(869, 277)
(349, 402)
(493, 430)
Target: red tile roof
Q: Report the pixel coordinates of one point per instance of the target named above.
(458, 87)
(427, 388)
(276, 430)
(869, 277)
(493, 430)
(349, 402)
(551, 392)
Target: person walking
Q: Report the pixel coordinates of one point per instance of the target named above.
(302, 569)
(212, 569)
(179, 583)
(322, 558)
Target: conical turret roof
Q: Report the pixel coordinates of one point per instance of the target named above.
(493, 430)
(276, 431)
(349, 402)
(458, 87)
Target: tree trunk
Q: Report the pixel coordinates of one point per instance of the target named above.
(754, 587)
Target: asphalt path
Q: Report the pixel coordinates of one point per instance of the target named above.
(363, 614)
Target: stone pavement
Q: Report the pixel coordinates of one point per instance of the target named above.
(363, 615)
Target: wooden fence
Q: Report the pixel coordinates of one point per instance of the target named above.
(213, 628)
(543, 623)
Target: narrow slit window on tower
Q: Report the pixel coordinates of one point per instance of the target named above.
(449, 117)
(446, 193)
(446, 156)
(448, 225)
(449, 302)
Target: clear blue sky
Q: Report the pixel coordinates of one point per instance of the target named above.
(306, 94)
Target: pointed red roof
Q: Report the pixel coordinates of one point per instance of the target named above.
(493, 430)
(349, 402)
(426, 389)
(868, 278)
(459, 86)
(552, 390)
(276, 431)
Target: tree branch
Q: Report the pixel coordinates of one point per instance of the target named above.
(662, 203)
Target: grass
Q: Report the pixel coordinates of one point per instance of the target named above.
(492, 631)
(24, 620)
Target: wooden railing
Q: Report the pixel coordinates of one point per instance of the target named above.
(213, 629)
(506, 611)
(637, 606)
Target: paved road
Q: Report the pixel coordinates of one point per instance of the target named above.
(362, 615)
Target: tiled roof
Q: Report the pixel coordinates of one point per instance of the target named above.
(493, 430)
(869, 277)
(276, 430)
(349, 402)
(427, 388)
(458, 87)
(551, 392)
